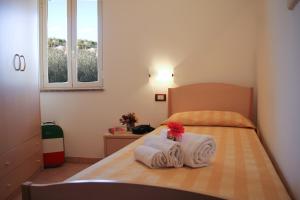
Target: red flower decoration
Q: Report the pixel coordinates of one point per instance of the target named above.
(175, 129)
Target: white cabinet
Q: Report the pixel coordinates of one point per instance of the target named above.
(19, 90)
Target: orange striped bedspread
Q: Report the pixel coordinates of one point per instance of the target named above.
(240, 168)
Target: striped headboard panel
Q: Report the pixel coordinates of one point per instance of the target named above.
(211, 96)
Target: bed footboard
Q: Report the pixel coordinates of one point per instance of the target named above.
(93, 190)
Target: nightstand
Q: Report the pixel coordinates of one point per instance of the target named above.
(114, 142)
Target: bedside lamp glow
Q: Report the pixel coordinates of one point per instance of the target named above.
(163, 75)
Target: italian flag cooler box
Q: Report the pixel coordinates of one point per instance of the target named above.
(53, 144)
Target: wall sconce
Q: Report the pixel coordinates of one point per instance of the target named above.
(163, 75)
(149, 75)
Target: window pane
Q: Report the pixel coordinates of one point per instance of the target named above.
(87, 39)
(57, 41)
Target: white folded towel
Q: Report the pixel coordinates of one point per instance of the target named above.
(197, 149)
(171, 149)
(151, 157)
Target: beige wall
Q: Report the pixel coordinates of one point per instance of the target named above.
(278, 76)
(203, 40)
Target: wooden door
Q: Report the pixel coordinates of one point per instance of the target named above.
(19, 90)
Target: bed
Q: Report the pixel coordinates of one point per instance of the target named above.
(240, 169)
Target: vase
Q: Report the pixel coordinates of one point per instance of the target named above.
(130, 126)
(170, 136)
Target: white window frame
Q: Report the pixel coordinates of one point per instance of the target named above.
(73, 83)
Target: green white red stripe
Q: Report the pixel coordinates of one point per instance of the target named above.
(53, 145)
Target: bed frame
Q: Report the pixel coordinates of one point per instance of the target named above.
(92, 190)
(203, 96)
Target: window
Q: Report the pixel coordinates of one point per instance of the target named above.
(71, 53)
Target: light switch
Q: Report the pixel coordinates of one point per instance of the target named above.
(160, 97)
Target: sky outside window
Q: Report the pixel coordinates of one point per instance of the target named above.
(86, 19)
(57, 19)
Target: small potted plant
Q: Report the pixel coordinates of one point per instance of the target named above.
(129, 120)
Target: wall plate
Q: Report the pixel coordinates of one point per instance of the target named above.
(160, 97)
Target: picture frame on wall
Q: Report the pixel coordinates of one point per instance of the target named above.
(292, 4)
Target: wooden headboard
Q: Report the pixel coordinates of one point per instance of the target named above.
(211, 96)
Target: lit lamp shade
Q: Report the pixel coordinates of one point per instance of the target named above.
(163, 75)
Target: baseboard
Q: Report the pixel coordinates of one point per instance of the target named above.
(82, 160)
(277, 168)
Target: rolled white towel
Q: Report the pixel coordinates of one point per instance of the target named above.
(151, 157)
(171, 150)
(163, 133)
(197, 149)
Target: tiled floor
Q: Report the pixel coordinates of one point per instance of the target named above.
(55, 174)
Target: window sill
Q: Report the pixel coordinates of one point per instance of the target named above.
(70, 89)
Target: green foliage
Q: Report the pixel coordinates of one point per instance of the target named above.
(87, 66)
(54, 42)
(57, 66)
(86, 44)
(57, 61)
(82, 44)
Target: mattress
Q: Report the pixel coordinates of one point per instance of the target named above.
(240, 169)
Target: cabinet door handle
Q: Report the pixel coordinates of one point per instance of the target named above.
(22, 64)
(17, 66)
